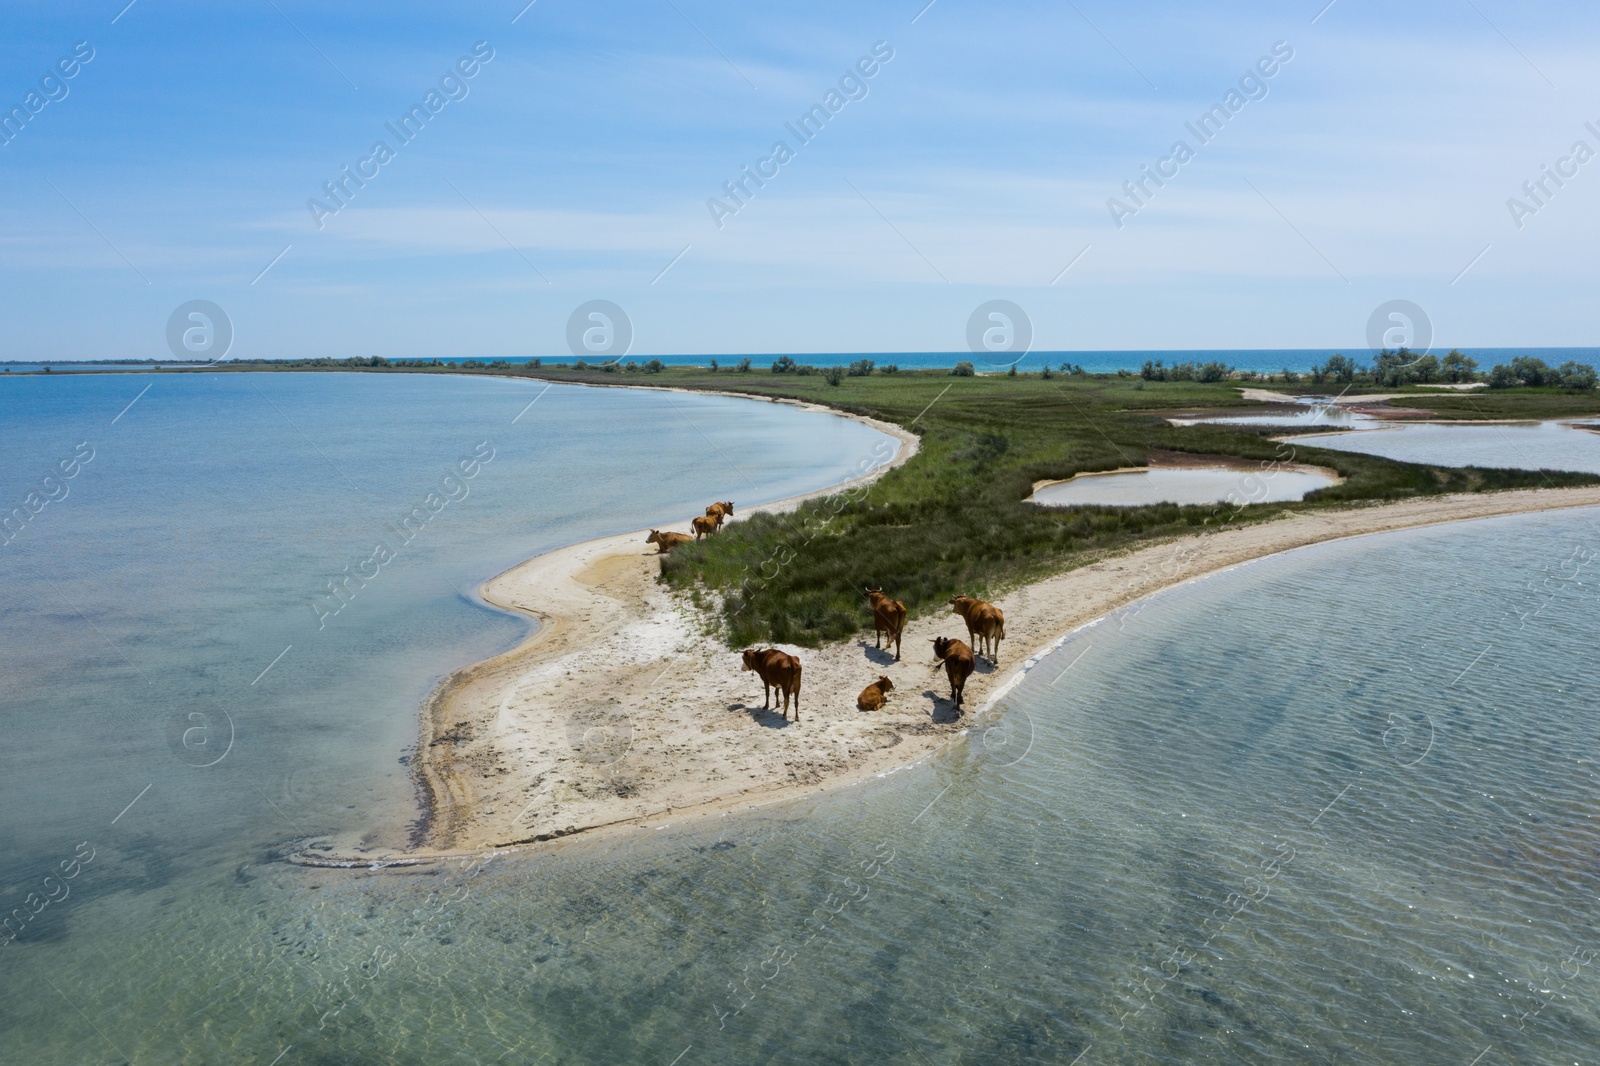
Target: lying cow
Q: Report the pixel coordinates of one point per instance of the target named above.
(665, 542)
(985, 621)
(875, 695)
(958, 665)
(888, 616)
(704, 526)
(780, 672)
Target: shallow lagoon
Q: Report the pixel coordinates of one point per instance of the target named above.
(1530, 446)
(1317, 808)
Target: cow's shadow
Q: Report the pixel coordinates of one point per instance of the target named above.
(880, 656)
(981, 665)
(944, 709)
(764, 716)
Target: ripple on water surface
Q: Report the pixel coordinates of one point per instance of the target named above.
(1332, 806)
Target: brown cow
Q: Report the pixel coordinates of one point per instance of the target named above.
(704, 526)
(958, 665)
(724, 508)
(875, 695)
(888, 616)
(779, 672)
(665, 542)
(985, 621)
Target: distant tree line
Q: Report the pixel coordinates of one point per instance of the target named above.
(833, 375)
(1526, 370)
(1396, 368)
(1404, 367)
(1153, 370)
(1388, 369)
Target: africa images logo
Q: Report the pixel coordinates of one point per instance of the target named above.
(1252, 85)
(852, 85)
(53, 88)
(452, 87)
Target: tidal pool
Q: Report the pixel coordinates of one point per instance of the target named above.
(1525, 446)
(1181, 485)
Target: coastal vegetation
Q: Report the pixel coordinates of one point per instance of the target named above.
(1392, 369)
(953, 520)
(1526, 370)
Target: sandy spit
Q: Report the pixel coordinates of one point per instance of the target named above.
(591, 721)
(620, 711)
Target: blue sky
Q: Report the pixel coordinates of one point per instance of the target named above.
(579, 162)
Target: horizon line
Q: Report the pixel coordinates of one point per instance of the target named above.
(954, 354)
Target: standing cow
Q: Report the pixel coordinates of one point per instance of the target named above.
(724, 508)
(888, 616)
(958, 665)
(704, 526)
(779, 671)
(985, 621)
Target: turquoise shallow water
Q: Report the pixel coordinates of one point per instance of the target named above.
(1332, 806)
(198, 542)
(171, 640)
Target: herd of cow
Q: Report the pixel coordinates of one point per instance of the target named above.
(703, 526)
(780, 672)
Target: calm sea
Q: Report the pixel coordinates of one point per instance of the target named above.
(1262, 360)
(1332, 806)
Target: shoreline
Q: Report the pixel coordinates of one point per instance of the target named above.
(485, 812)
(557, 581)
(622, 713)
